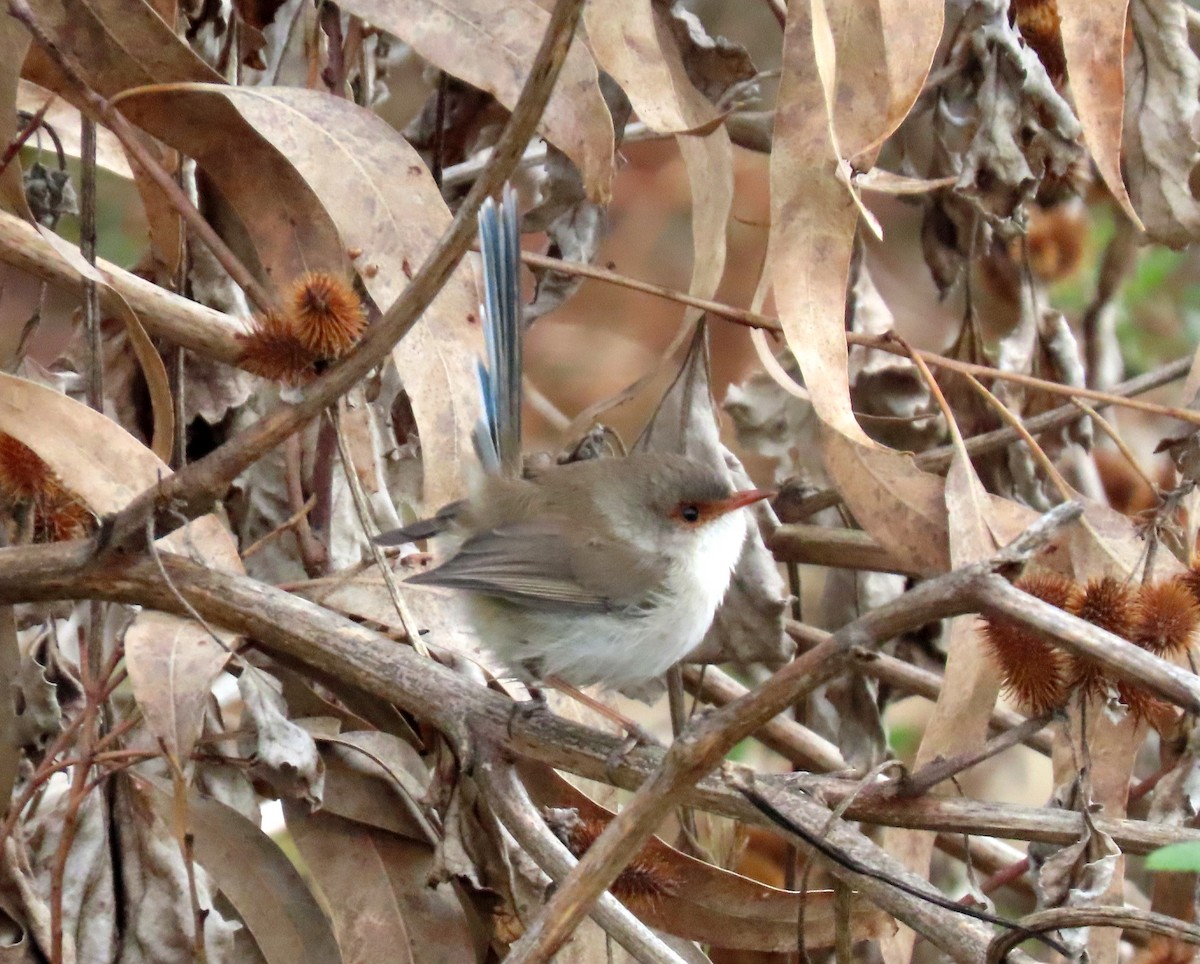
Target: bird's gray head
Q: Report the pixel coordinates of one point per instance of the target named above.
(661, 501)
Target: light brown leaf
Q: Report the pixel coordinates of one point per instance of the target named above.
(256, 876)
(284, 754)
(632, 43)
(65, 120)
(1161, 145)
(1093, 37)
(116, 44)
(887, 47)
(101, 463)
(903, 507)
(376, 885)
(376, 779)
(492, 46)
(813, 218)
(362, 177)
(172, 664)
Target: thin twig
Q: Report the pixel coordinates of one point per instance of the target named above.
(1115, 437)
(32, 123)
(929, 776)
(1125, 918)
(363, 512)
(294, 519)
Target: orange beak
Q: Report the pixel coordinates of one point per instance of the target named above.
(739, 500)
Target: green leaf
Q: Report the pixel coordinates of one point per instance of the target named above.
(1184, 857)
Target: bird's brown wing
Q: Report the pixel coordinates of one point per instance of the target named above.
(541, 567)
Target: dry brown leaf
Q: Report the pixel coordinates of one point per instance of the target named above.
(172, 665)
(376, 886)
(364, 178)
(283, 754)
(633, 43)
(491, 46)
(376, 779)
(115, 44)
(1160, 139)
(290, 229)
(887, 46)
(704, 903)
(158, 921)
(813, 218)
(101, 463)
(903, 507)
(257, 877)
(1093, 37)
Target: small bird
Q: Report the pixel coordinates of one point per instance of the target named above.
(601, 571)
(607, 571)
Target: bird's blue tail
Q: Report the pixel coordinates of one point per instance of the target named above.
(497, 435)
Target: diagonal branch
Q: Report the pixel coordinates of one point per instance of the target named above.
(193, 490)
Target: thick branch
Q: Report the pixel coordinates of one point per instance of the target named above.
(329, 646)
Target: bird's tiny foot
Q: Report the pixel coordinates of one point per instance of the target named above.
(527, 710)
(635, 735)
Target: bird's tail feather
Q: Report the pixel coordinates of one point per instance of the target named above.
(497, 436)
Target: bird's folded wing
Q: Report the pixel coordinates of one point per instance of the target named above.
(541, 567)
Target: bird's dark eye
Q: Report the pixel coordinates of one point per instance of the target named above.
(689, 512)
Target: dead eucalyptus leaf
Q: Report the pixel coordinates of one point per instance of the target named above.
(374, 189)
(1161, 144)
(376, 885)
(116, 46)
(256, 876)
(634, 42)
(101, 463)
(65, 119)
(887, 46)
(150, 362)
(1093, 38)
(159, 921)
(88, 902)
(376, 779)
(172, 665)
